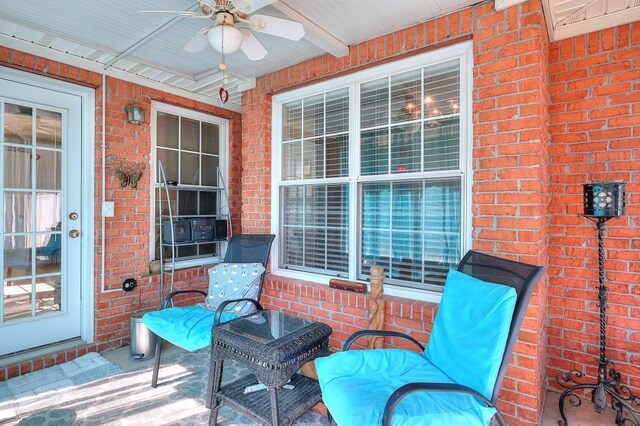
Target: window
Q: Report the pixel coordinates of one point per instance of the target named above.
(374, 170)
(191, 147)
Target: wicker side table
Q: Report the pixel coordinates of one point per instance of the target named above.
(273, 346)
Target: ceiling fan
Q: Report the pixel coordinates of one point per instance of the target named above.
(226, 38)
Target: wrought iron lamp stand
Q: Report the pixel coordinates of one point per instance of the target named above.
(622, 399)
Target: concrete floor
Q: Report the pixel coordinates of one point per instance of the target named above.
(583, 415)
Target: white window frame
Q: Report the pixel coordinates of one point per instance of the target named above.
(223, 124)
(463, 52)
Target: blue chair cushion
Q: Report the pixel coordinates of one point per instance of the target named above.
(188, 327)
(356, 385)
(470, 331)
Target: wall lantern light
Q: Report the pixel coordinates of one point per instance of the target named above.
(135, 114)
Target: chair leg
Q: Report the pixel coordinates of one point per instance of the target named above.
(156, 363)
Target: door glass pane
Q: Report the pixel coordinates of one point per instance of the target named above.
(48, 128)
(210, 138)
(48, 169)
(18, 124)
(48, 253)
(48, 294)
(48, 211)
(17, 211)
(17, 167)
(17, 256)
(190, 130)
(17, 299)
(167, 130)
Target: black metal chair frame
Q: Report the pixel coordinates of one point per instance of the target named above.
(242, 248)
(521, 276)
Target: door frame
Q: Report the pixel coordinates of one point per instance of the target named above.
(87, 236)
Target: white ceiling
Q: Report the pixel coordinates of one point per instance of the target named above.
(113, 37)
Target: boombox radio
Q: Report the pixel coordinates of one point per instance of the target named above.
(195, 231)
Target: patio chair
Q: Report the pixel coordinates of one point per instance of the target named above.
(456, 380)
(234, 290)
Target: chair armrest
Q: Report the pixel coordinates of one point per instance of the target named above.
(223, 305)
(410, 388)
(168, 299)
(362, 333)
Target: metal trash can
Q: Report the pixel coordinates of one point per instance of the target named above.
(143, 342)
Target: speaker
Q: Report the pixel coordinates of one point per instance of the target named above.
(201, 230)
(220, 229)
(181, 232)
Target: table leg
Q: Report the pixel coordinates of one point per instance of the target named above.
(274, 406)
(215, 380)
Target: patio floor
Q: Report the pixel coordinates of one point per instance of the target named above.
(68, 374)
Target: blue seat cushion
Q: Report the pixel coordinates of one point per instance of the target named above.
(188, 327)
(356, 385)
(470, 331)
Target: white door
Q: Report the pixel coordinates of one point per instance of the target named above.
(40, 216)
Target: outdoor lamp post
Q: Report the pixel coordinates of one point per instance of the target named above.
(602, 201)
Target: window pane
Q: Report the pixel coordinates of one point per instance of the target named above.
(405, 148)
(313, 158)
(187, 203)
(190, 132)
(169, 160)
(293, 202)
(17, 211)
(167, 130)
(189, 168)
(405, 96)
(442, 89)
(420, 238)
(292, 160)
(374, 154)
(313, 118)
(337, 106)
(208, 203)
(209, 170)
(210, 138)
(442, 145)
(315, 228)
(337, 156)
(292, 120)
(374, 103)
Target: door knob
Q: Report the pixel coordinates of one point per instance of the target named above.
(74, 233)
(73, 215)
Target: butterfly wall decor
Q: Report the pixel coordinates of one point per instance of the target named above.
(129, 173)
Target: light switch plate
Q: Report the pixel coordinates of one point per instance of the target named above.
(108, 208)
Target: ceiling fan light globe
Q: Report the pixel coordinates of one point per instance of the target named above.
(225, 38)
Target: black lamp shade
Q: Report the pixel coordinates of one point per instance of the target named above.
(604, 199)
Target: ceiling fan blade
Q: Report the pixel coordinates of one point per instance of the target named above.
(284, 28)
(198, 42)
(186, 14)
(251, 46)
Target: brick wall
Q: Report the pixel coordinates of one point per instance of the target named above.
(595, 135)
(510, 156)
(127, 233)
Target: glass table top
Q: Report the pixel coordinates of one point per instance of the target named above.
(266, 326)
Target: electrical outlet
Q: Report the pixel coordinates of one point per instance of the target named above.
(129, 284)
